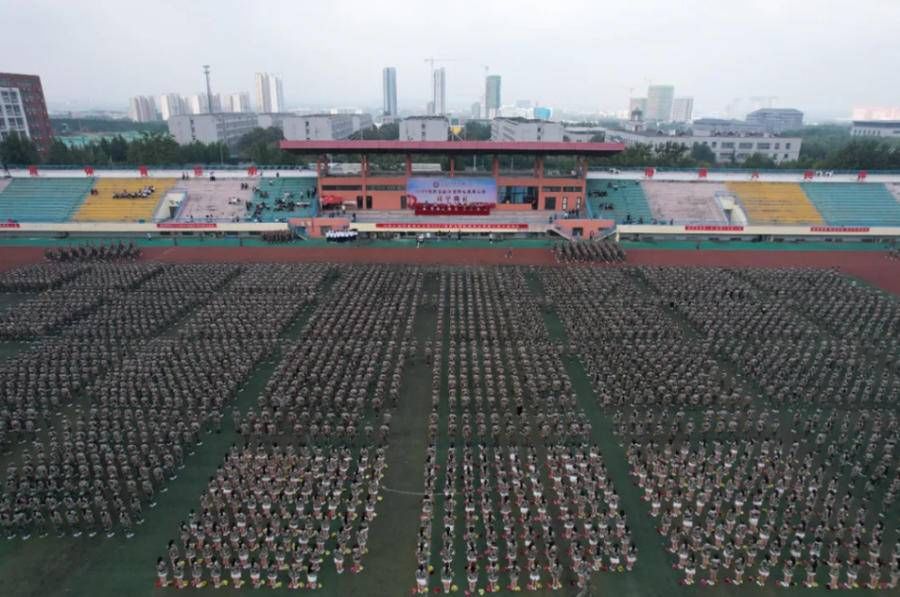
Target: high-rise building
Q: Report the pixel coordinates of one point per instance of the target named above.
(198, 104)
(659, 102)
(637, 103)
(682, 109)
(142, 108)
(238, 102)
(269, 93)
(439, 92)
(776, 120)
(389, 90)
(492, 96)
(24, 110)
(476, 110)
(171, 104)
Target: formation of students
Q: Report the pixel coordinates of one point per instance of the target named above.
(89, 253)
(301, 491)
(521, 486)
(604, 251)
(98, 467)
(759, 410)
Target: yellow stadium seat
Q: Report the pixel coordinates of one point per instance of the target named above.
(102, 207)
(775, 203)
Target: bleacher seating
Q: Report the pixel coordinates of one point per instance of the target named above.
(626, 197)
(894, 188)
(4, 182)
(42, 199)
(208, 201)
(685, 202)
(775, 203)
(102, 207)
(290, 188)
(855, 204)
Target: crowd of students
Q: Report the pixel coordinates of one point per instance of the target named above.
(589, 250)
(759, 411)
(96, 467)
(522, 487)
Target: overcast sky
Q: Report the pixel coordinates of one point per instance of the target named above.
(822, 56)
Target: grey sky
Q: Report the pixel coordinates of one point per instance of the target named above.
(823, 56)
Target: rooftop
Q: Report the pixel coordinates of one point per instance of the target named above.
(453, 147)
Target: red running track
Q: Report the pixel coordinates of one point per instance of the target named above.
(872, 266)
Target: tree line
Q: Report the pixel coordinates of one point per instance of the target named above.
(824, 148)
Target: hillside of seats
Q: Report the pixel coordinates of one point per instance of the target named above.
(619, 200)
(855, 204)
(685, 202)
(42, 199)
(104, 207)
(214, 201)
(268, 191)
(776, 203)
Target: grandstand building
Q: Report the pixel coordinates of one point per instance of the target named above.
(24, 110)
(512, 173)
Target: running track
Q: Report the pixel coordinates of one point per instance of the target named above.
(871, 266)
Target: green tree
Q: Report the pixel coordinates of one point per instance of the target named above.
(18, 149)
(59, 153)
(758, 161)
(476, 131)
(702, 154)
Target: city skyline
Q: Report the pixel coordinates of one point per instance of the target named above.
(801, 65)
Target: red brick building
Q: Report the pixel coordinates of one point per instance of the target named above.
(24, 110)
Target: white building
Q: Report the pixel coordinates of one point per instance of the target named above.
(199, 104)
(171, 104)
(265, 121)
(269, 93)
(525, 130)
(889, 129)
(142, 109)
(238, 102)
(389, 90)
(317, 127)
(682, 109)
(424, 128)
(659, 102)
(360, 122)
(224, 127)
(12, 113)
(726, 148)
(776, 120)
(439, 93)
